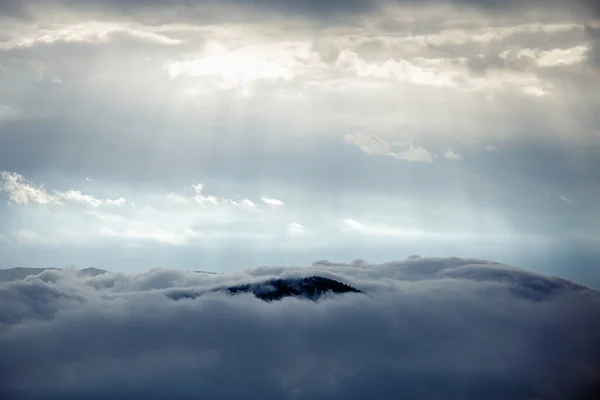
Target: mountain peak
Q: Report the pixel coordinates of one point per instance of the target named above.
(309, 288)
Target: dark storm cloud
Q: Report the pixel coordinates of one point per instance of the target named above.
(13, 9)
(429, 328)
(593, 35)
(158, 11)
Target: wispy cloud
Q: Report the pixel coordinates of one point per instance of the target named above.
(20, 191)
(92, 32)
(271, 201)
(452, 155)
(159, 235)
(8, 113)
(355, 227)
(168, 219)
(375, 146)
(200, 197)
(565, 199)
(295, 229)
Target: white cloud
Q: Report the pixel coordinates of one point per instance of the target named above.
(90, 32)
(295, 229)
(245, 203)
(177, 198)
(565, 199)
(159, 235)
(412, 152)
(115, 202)
(75, 196)
(104, 216)
(151, 218)
(488, 34)
(547, 58)
(241, 67)
(353, 225)
(427, 329)
(200, 198)
(20, 191)
(421, 71)
(535, 91)
(8, 113)
(371, 230)
(452, 155)
(376, 146)
(271, 201)
(78, 197)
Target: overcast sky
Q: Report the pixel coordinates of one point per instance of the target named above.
(228, 134)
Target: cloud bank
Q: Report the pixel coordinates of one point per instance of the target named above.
(428, 328)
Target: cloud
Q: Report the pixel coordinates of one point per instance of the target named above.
(353, 225)
(8, 113)
(93, 32)
(201, 198)
(535, 91)
(295, 229)
(332, 11)
(193, 216)
(271, 201)
(243, 66)
(78, 197)
(547, 58)
(153, 235)
(370, 230)
(349, 69)
(375, 146)
(21, 191)
(245, 203)
(452, 155)
(565, 199)
(428, 328)
(593, 35)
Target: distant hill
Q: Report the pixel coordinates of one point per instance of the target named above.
(20, 273)
(310, 288)
(91, 272)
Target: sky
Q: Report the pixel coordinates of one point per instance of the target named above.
(221, 135)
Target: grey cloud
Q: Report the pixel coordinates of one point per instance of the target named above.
(13, 9)
(594, 52)
(160, 11)
(429, 328)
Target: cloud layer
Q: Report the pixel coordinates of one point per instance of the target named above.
(429, 328)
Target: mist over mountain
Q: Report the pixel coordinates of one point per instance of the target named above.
(16, 273)
(424, 328)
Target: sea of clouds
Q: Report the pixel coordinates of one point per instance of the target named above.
(424, 329)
